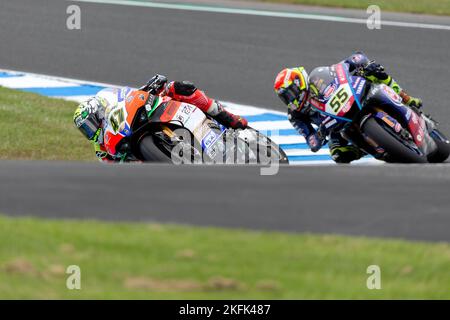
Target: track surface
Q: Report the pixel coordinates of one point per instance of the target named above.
(235, 58)
(373, 201)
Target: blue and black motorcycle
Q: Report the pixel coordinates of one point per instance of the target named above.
(373, 118)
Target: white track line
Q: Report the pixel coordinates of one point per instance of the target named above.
(232, 106)
(272, 125)
(253, 12)
(306, 152)
(26, 80)
(71, 81)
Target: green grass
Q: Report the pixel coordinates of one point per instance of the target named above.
(35, 127)
(152, 261)
(167, 262)
(436, 7)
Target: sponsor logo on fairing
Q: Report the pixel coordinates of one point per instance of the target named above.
(392, 95)
(360, 87)
(123, 93)
(341, 74)
(330, 123)
(329, 91)
(356, 82)
(209, 139)
(317, 104)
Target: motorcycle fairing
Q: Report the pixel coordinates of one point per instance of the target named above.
(358, 85)
(340, 94)
(191, 118)
(383, 96)
(119, 118)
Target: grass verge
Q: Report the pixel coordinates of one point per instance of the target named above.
(39, 128)
(436, 7)
(151, 261)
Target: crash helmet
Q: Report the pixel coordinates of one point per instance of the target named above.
(88, 117)
(291, 86)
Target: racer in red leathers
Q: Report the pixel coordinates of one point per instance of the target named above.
(185, 91)
(89, 117)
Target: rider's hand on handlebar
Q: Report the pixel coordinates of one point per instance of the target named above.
(374, 69)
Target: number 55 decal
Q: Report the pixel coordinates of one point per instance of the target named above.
(339, 99)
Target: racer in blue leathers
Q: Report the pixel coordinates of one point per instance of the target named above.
(297, 91)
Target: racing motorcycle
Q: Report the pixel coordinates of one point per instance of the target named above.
(373, 118)
(151, 128)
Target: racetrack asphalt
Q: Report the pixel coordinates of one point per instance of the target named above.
(381, 201)
(234, 58)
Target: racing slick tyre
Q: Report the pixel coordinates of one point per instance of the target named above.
(271, 147)
(278, 153)
(443, 148)
(151, 152)
(397, 152)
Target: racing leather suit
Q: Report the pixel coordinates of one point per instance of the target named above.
(341, 150)
(182, 91)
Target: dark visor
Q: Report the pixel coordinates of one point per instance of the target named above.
(90, 127)
(289, 94)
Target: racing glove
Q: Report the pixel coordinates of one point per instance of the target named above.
(374, 72)
(314, 142)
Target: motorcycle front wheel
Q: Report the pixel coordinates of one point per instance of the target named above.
(151, 152)
(396, 151)
(443, 147)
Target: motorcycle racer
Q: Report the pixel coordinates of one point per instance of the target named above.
(294, 87)
(89, 117)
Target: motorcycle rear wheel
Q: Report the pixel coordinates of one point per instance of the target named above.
(267, 149)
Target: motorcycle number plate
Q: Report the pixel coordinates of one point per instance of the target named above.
(341, 101)
(117, 119)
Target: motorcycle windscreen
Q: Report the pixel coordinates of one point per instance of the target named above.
(333, 92)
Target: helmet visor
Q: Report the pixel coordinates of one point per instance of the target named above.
(89, 127)
(290, 95)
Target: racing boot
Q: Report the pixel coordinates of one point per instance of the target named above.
(226, 118)
(341, 151)
(187, 92)
(406, 98)
(410, 101)
(346, 154)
